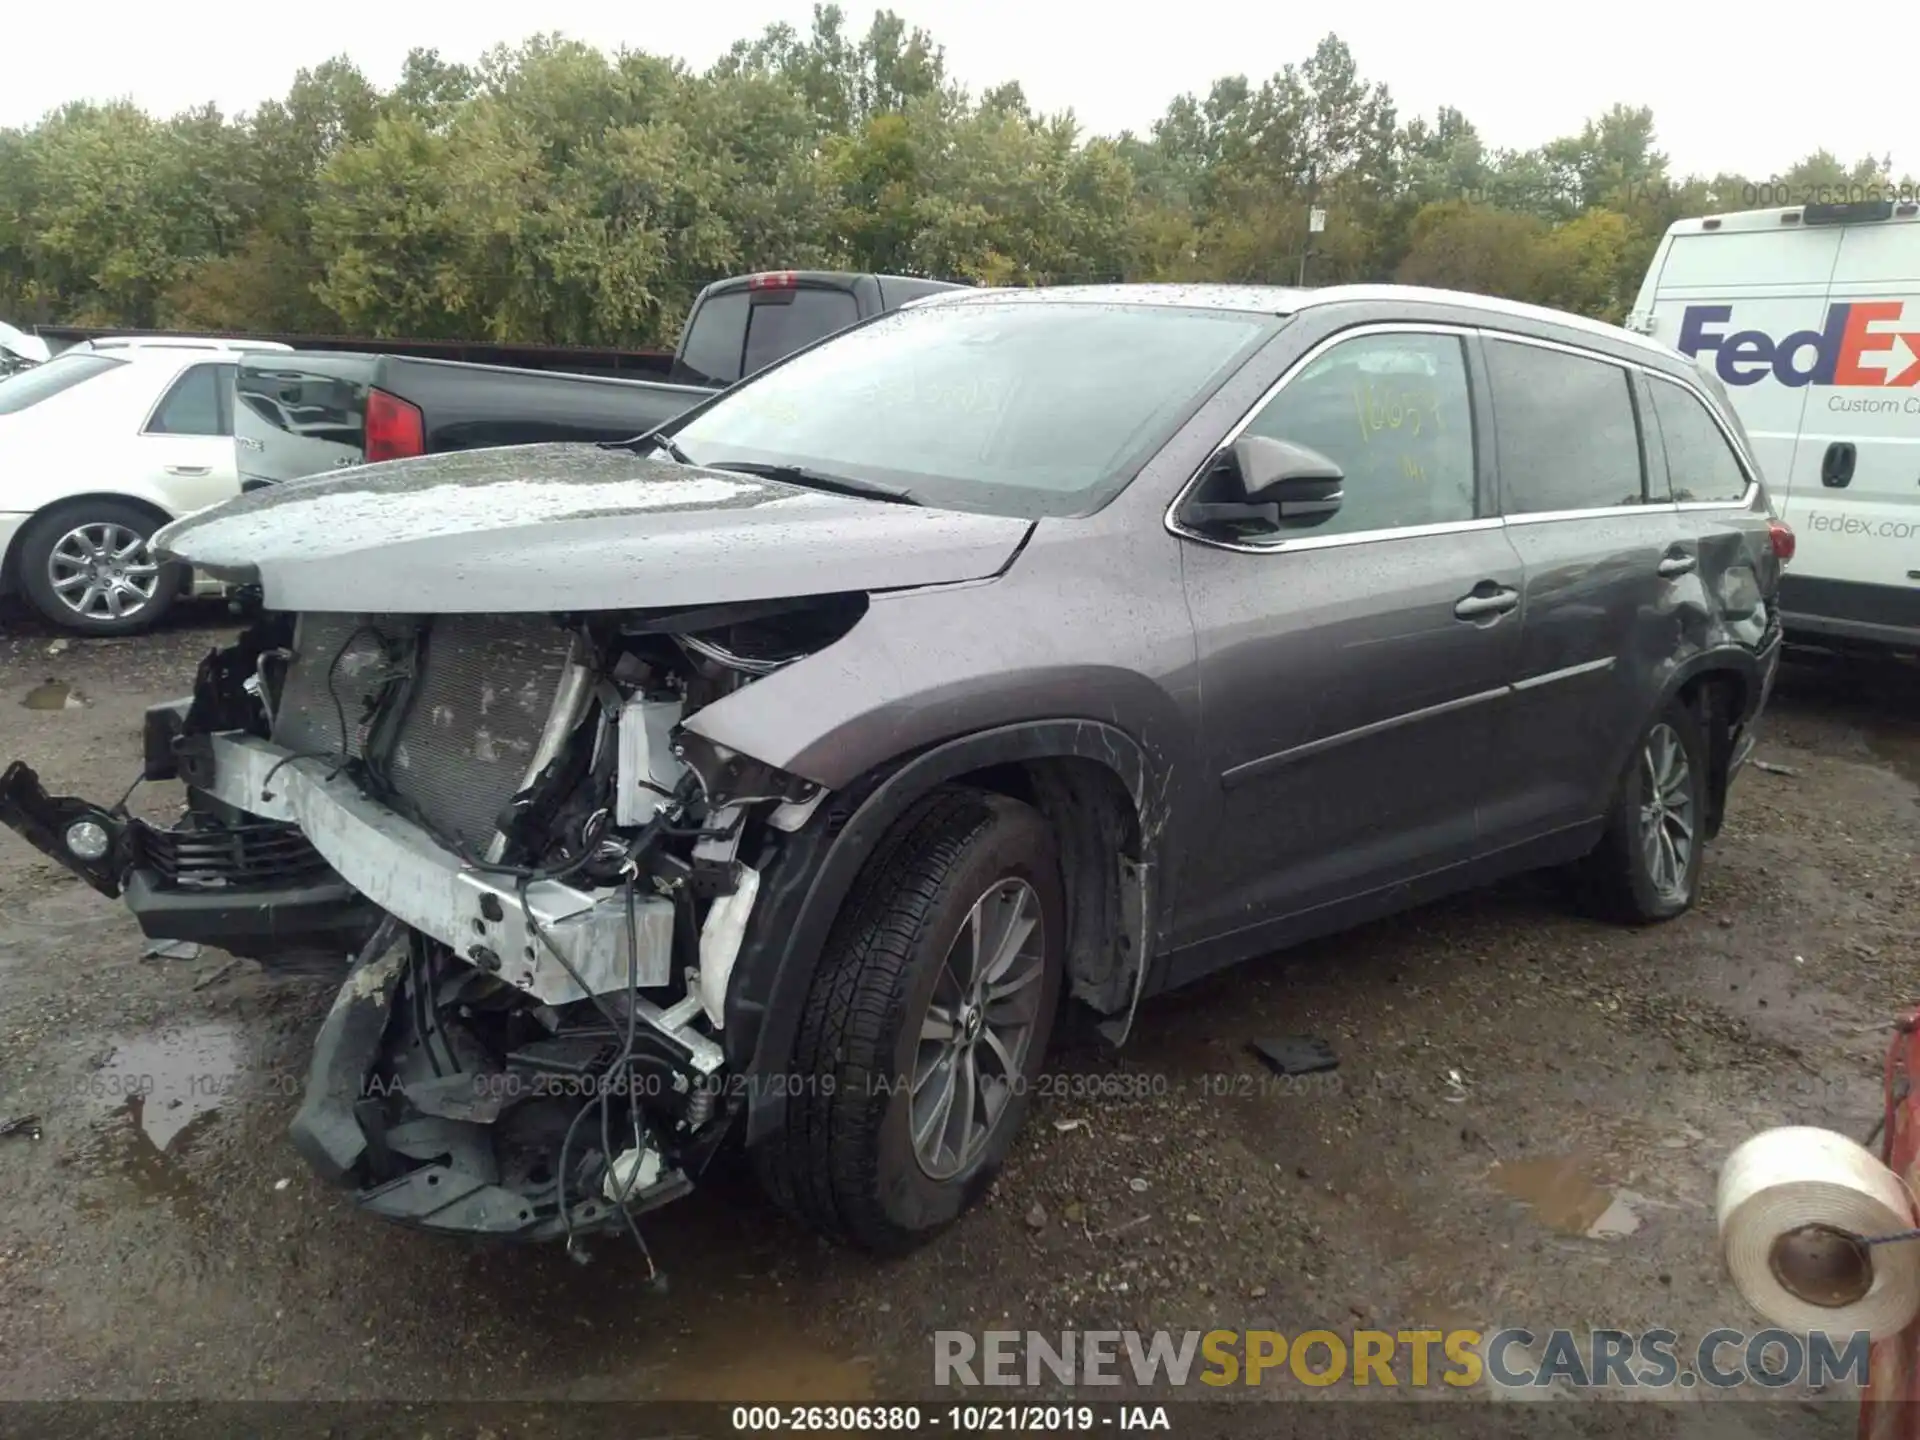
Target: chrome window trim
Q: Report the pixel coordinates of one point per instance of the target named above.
(1745, 502)
(1325, 542)
(1597, 512)
(1541, 343)
(1352, 537)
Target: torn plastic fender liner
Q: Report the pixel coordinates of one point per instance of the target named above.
(720, 940)
(325, 1129)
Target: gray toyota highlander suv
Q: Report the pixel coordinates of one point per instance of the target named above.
(779, 775)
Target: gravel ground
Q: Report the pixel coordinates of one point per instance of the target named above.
(1524, 1129)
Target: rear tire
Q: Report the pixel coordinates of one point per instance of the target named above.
(867, 1155)
(1646, 867)
(86, 567)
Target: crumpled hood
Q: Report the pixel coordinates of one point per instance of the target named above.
(571, 527)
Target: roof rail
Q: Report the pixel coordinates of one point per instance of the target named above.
(176, 342)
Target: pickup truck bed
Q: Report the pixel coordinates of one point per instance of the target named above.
(304, 413)
(309, 412)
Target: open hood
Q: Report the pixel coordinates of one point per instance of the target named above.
(571, 527)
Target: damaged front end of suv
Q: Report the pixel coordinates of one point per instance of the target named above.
(543, 879)
(537, 876)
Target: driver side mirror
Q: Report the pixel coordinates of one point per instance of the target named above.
(1270, 482)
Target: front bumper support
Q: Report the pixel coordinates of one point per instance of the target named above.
(409, 874)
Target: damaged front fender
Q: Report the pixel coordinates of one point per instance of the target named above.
(805, 880)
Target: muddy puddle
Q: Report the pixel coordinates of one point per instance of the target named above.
(752, 1364)
(1561, 1192)
(164, 1085)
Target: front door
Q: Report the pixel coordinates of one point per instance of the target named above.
(1348, 671)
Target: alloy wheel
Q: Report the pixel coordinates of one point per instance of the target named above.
(979, 1025)
(1666, 812)
(103, 571)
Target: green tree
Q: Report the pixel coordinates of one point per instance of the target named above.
(554, 192)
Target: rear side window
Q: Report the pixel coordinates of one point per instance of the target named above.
(1392, 412)
(200, 403)
(43, 382)
(1567, 435)
(717, 329)
(1701, 464)
(776, 327)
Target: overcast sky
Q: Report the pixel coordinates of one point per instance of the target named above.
(1744, 88)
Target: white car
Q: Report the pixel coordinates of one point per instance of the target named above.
(100, 447)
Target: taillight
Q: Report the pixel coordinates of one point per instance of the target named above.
(1782, 538)
(395, 429)
(774, 280)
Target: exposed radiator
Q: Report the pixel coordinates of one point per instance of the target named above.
(474, 714)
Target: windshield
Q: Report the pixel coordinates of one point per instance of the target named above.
(1026, 408)
(42, 382)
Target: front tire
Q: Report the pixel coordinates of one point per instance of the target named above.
(926, 1025)
(87, 567)
(1646, 867)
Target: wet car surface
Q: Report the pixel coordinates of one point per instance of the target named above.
(1524, 1128)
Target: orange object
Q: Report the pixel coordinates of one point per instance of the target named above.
(1893, 1374)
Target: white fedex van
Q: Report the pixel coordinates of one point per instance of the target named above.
(1811, 316)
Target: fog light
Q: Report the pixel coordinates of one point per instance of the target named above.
(88, 839)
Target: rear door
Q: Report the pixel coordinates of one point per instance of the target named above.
(186, 440)
(1738, 571)
(1612, 581)
(1348, 671)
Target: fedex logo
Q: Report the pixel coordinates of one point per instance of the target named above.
(1857, 346)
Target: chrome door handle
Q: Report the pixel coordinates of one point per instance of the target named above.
(189, 469)
(1678, 565)
(1475, 607)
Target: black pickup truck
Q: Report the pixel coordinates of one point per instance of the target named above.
(309, 412)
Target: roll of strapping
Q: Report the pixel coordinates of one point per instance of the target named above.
(1796, 1207)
